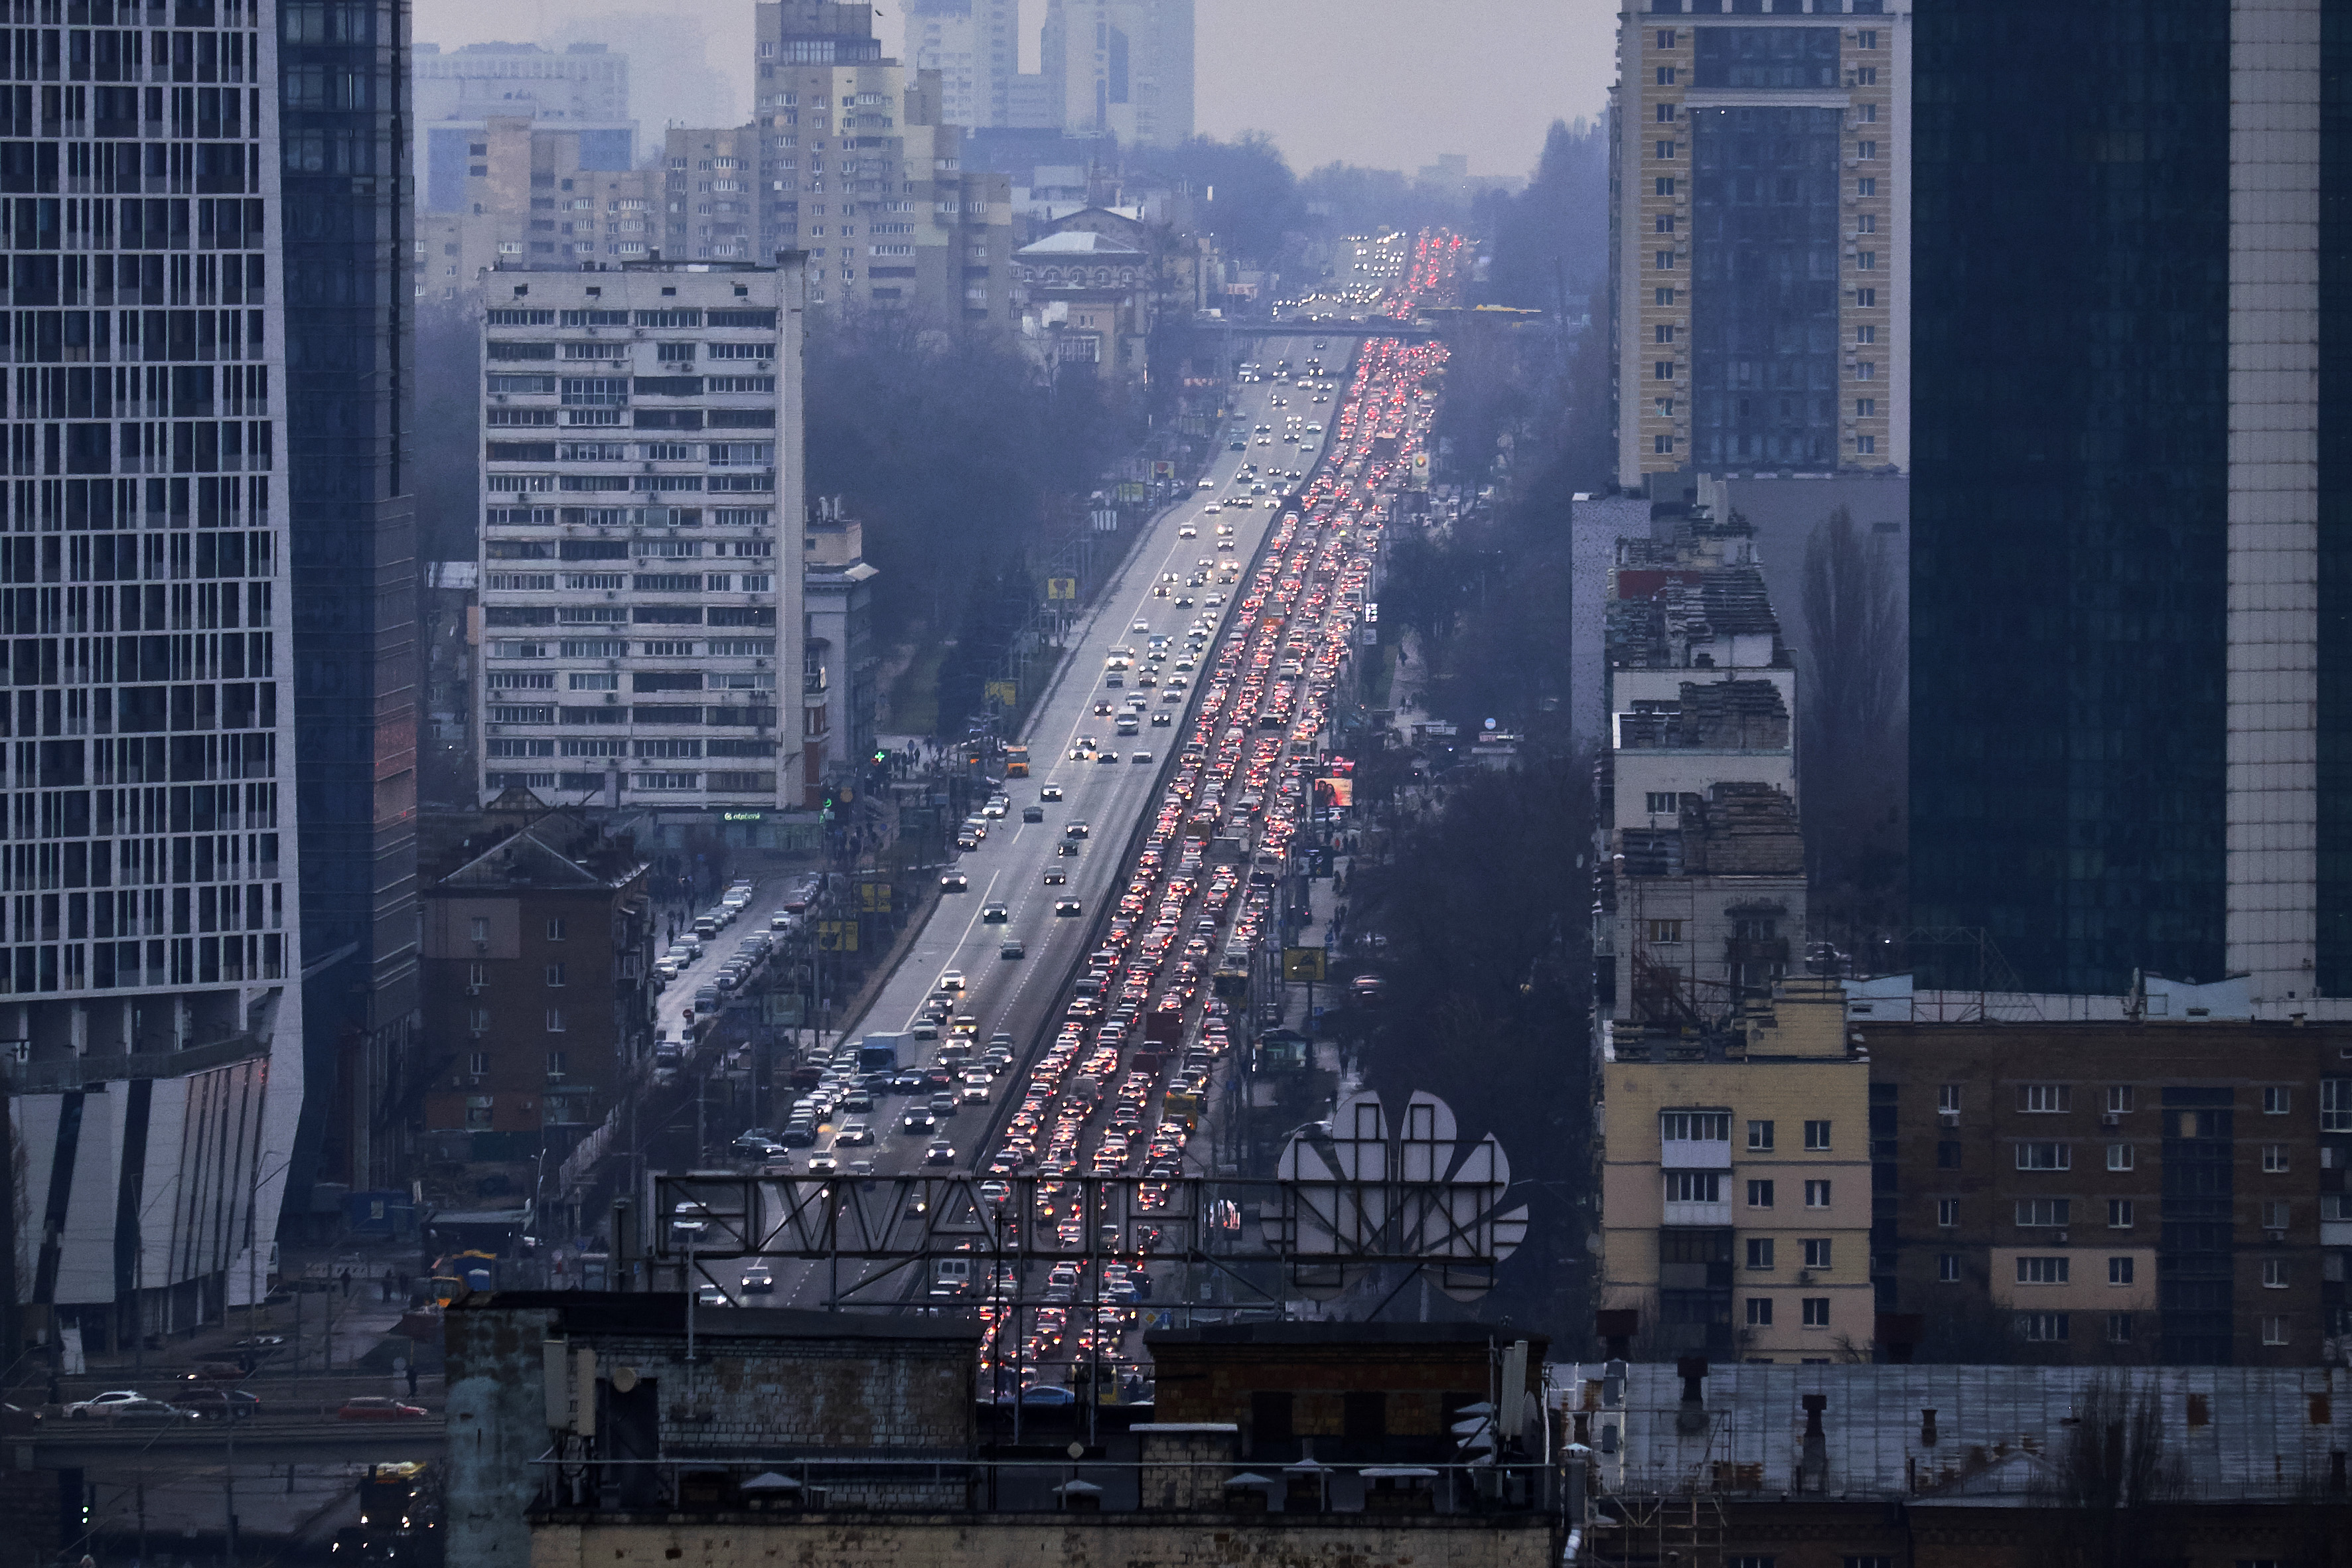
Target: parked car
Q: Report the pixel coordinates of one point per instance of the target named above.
(379, 1408)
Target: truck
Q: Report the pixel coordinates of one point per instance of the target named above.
(880, 1053)
(1016, 762)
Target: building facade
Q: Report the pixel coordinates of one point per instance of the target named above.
(1735, 1195)
(843, 663)
(2121, 475)
(975, 46)
(533, 195)
(641, 554)
(857, 165)
(2152, 1190)
(538, 955)
(1120, 68)
(1760, 244)
(584, 90)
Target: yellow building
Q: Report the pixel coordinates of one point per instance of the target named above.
(1736, 1199)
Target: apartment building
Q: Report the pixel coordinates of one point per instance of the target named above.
(856, 164)
(1760, 238)
(844, 663)
(533, 195)
(641, 551)
(1735, 1178)
(537, 953)
(975, 46)
(584, 90)
(1704, 897)
(2151, 1190)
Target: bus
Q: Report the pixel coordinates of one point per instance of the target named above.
(1016, 762)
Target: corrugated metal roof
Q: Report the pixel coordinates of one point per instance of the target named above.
(2000, 1432)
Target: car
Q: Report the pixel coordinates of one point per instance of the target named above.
(1205, 484)
(1141, 626)
(1188, 532)
(710, 1296)
(1039, 1394)
(1213, 506)
(758, 1281)
(101, 1404)
(1102, 707)
(1033, 813)
(1139, 756)
(822, 1166)
(1068, 906)
(1102, 757)
(221, 1404)
(755, 1146)
(1050, 792)
(1184, 601)
(943, 1105)
(1236, 447)
(1011, 949)
(1161, 720)
(917, 1120)
(1065, 847)
(951, 979)
(907, 1082)
(954, 882)
(854, 1135)
(1056, 878)
(994, 914)
(384, 1407)
(939, 1151)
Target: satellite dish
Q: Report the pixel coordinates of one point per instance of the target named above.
(625, 1378)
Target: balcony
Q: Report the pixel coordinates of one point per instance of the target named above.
(1697, 1214)
(1695, 1154)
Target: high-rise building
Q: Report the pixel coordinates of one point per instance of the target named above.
(1121, 68)
(1761, 245)
(856, 164)
(350, 325)
(535, 196)
(2131, 742)
(975, 46)
(641, 552)
(584, 90)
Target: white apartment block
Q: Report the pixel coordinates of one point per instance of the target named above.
(641, 547)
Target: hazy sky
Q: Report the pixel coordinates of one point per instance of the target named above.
(1378, 82)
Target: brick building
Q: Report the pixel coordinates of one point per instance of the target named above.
(2137, 1191)
(537, 956)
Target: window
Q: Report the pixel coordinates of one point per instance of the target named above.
(1866, 151)
(480, 930)
(1665, 932)
(2119, 1328)
(1866, 187)
(555, 975)
(1665, 224)
(1666, 333)
(1817, 1136)
(555, 1020)
(2119, 1099)
(1865, 408)
(2033, 1211)
(1947, 1267)
(1666, 113)
(1665, 76)
(1759, 1253)
(1816, 1310)
(1663, 296)
(1666, 261)
(557, 1062)
(1760, 1195)
(1662, 370)
(2043, 1328)
(2119, 1156)
(1665, 408)
(478, 1111)
(1865, 297)
(478, 976)
(2119, 1214)
(1665, 37)
(1881, 1561)
(2042, 1271)
(1661, 802)
(2277, 1102)
(1661, 445)
(1749, 1561)
(2275, 1216)
(1694, 1186)
(1665, 188)
(1948, 1213)
(1817, 1252)
(1695, 1127)
(2275, 1330)
(1867, 113)
(2119, 1270)
(1759, 1311)
(1866, 39)
(1947, 1155)
(478, 1065)
(478, 1020)
(1817, 1195)
(2043, 1097)
(2274, 1159)
(1866, 444)
(555, 929)
(1760, 1137)
(2045, 1156)
(1665, 150)
(2274, 1274)
(2335, 1105)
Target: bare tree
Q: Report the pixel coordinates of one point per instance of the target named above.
(1854, 729)
(2099, 1492)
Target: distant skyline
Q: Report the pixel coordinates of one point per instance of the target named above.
(1328, 79)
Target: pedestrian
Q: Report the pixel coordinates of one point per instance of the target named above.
(387, 1284)
(347, 1284)
(411, 1376)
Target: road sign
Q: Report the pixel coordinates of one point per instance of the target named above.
(874, 897)
(1303, 964)
(1002, 691)
(837, 936)
(1061, 588)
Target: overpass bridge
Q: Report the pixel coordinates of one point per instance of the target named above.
(262, 1440)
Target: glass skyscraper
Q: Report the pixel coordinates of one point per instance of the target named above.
(2128, 584)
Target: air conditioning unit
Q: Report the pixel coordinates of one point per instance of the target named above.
(2110, 1119)
(473, 990)
(2276, 1238)
(2059, 1236)
(1947, 1118)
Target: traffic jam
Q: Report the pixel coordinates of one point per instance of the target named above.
(1122, 1089)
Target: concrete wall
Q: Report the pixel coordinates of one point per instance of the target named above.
(1089, 1541)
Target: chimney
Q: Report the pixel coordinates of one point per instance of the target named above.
(1691, 1418)
(1813, 1468)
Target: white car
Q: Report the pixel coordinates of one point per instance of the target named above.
(951, 979)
